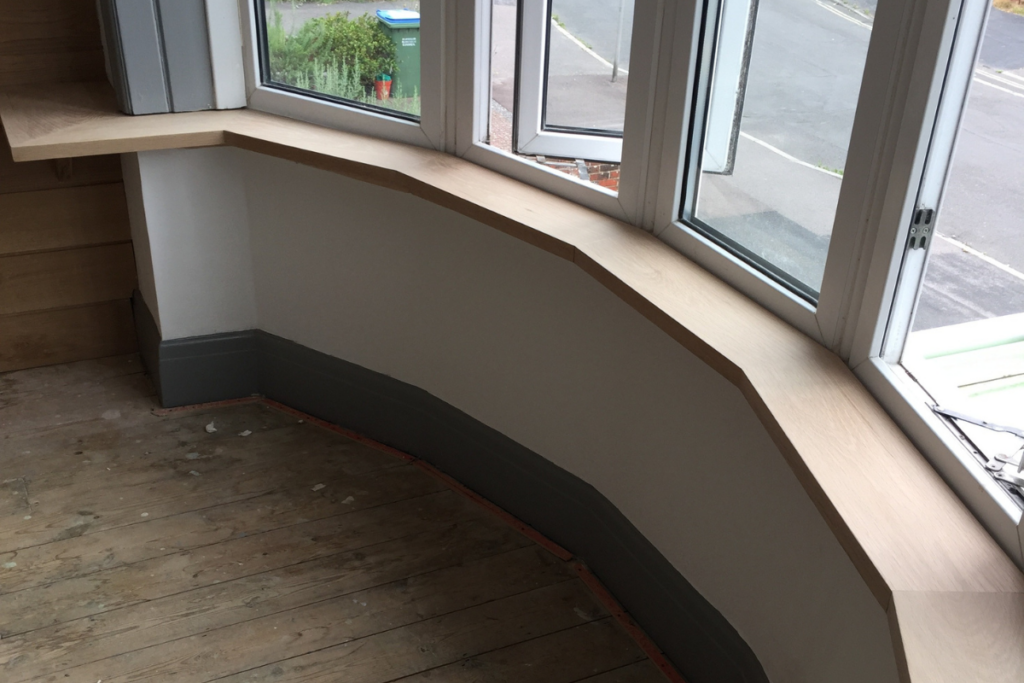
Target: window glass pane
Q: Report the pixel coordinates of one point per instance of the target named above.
(776, 105)
(364, 53)
(976, 264)
(503, 73)
(505, 42)
(588, 64)
(966, 346)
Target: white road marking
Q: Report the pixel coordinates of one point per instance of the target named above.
(984, 257)
(586, 49)
(1010, 74)
(842, 15)
(790, 157)
(999, 78)
(998, 87)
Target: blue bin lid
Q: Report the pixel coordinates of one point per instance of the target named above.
(399, 18)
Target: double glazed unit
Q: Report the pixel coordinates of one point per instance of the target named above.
(853, 166)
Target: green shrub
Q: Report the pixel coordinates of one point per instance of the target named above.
(335, 42)
(290, 55)
(354, 43)
(332, 80)
(335, 55)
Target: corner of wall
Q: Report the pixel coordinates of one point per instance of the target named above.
(194, 214)
(132, 173)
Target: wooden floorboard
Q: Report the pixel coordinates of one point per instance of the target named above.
(565, 656)
(238, 543)
(644, 671)
(163, 484)
(467, 633)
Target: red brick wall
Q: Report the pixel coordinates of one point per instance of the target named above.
(598, 172)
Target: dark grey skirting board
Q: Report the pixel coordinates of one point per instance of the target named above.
(691, 632)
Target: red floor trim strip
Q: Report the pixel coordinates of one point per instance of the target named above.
(163, 412)
(634, 630)
(526, 530)
(337, 430)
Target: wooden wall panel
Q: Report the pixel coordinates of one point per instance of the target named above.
(49, 41)
(53, 67)
(67, 269)
(64, 335)
(71, 277)
(44, 175)
(63, 219)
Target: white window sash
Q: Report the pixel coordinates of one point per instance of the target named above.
(531, 137)
(472, 112)
(894, 179)
(675, 106)
(949, 116)
(429, 131)
(939, 57)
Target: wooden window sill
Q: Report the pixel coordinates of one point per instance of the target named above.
(955, 601)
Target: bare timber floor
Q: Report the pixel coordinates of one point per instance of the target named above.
(135, 547)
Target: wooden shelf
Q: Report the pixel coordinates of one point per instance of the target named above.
(925, 558)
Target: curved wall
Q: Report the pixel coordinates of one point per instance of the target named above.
(531, 346)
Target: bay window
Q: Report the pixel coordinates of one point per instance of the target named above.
(853, 166)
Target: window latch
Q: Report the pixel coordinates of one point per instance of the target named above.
(996, 465)
(921, 228)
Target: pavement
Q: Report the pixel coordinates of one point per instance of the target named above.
(595, 22)
(1002, 46)
(579, 92)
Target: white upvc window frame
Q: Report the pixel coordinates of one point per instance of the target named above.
(866, 183)
(472, 111)
(428, 132)
(677, 103)
(891, 275)
(532, 137)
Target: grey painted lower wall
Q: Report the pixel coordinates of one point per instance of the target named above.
(691, 632)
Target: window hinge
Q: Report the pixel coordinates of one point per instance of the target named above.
(921, 228)
(997, 464)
